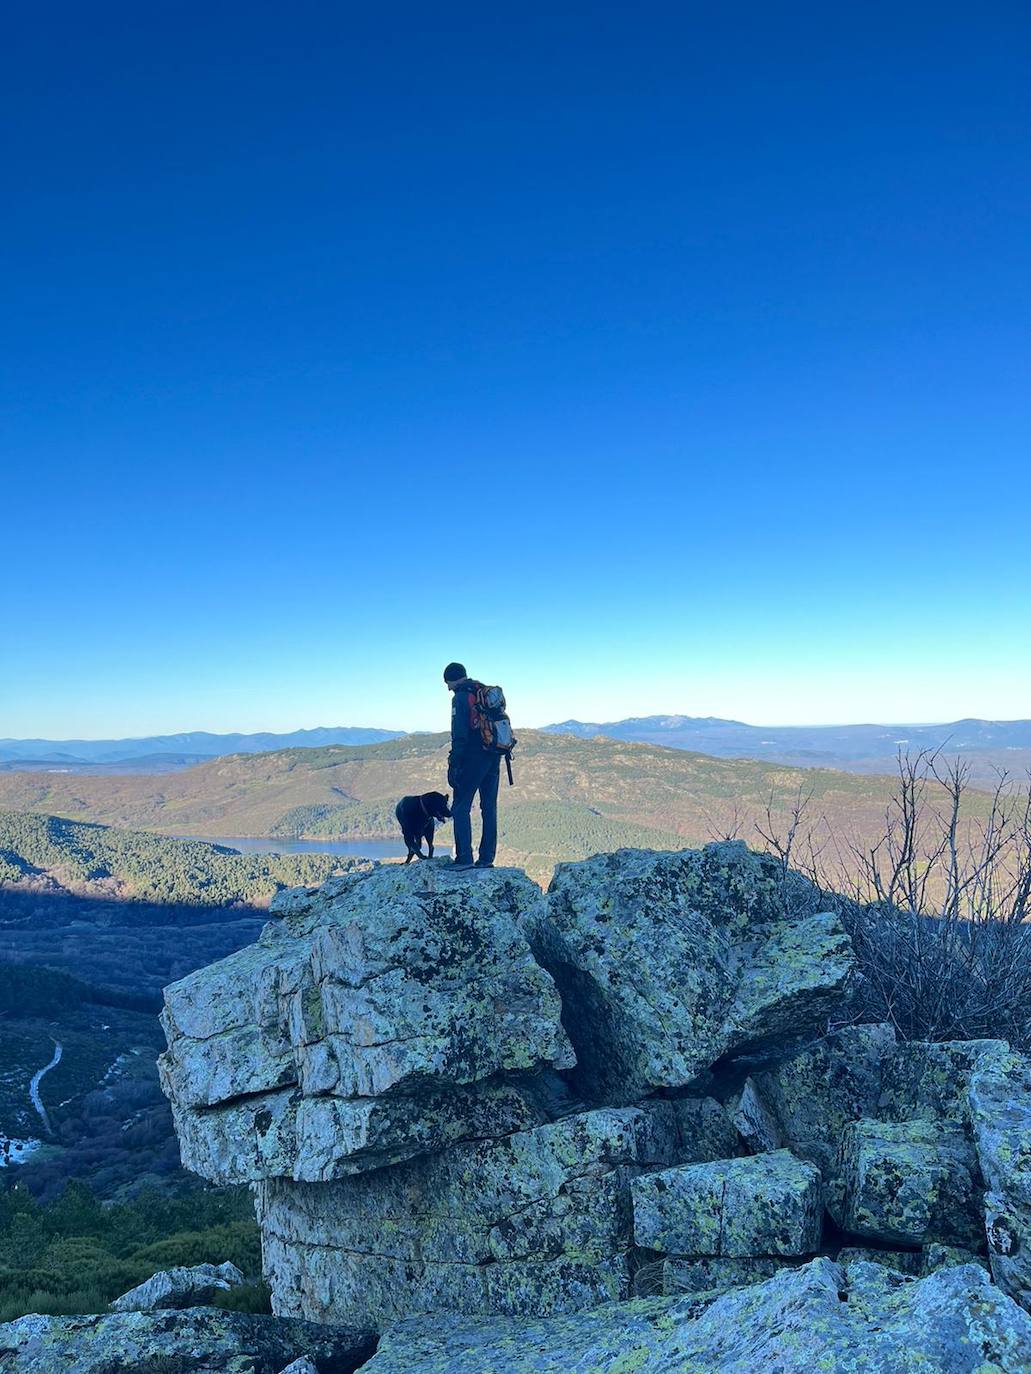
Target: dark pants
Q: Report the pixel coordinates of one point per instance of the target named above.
(481, 772)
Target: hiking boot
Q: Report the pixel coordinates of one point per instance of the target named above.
(461, 863)
(480, 864)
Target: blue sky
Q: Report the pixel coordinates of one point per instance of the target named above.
(667, 357)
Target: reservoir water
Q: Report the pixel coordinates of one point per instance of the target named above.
(359, 849)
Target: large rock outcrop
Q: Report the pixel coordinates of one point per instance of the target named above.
(458, 1097)
(392, 1066)
(536, 1221)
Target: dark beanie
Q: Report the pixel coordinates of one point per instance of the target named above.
(454, 672)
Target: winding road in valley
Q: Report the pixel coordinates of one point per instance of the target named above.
(37, 1079)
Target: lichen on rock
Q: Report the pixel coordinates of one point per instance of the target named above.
(859, 1319)
(768, 1204)
(667, 962)
(388, 1021)
(1000, 1107)
(536, 1221)
(911, 1182)
(199, 1340)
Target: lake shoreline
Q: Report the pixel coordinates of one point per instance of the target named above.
(367, 847)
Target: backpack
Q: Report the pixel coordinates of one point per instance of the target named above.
(490, 717)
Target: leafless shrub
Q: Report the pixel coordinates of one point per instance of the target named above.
(729, 826)
(796, 841)
(937, 907)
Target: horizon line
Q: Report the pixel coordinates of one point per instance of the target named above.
(550, 725)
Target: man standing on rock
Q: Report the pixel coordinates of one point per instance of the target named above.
(471, 768)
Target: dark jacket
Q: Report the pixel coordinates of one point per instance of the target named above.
(466, 740)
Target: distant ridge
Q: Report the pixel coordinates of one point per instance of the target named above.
(178, 750)
(644, 725)
(986, 745)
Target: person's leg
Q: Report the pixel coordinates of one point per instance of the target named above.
(489, 810)
(461, 806)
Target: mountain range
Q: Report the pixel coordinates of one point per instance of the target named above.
(987, 746)
(164, 753)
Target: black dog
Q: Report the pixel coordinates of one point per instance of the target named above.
(416, 816)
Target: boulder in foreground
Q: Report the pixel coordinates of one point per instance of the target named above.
(668, 962)
(389, 1013)
(181, 1287)
(194, 1341)
(863, 1319)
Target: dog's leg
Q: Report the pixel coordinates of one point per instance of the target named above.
(429, 838)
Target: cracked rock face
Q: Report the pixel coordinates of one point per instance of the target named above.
(806, 1100)
(765, 1205)
(862, 1319)
(1000, 1105)
(668, 962)
(540, 1220)
(911, 1183)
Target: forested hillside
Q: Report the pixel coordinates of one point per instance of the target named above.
(94, 922)
(53, 854)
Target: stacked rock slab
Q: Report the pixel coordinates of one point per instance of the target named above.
(766, 1205)
(394, 1013)
(807, 1099)
(393, 1068)
(907, 1137)
(536, 1221)
(911, 1182)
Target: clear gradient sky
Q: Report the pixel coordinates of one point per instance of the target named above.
(652, 357)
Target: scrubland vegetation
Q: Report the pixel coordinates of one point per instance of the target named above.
(937, 903)
(75, 1254)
